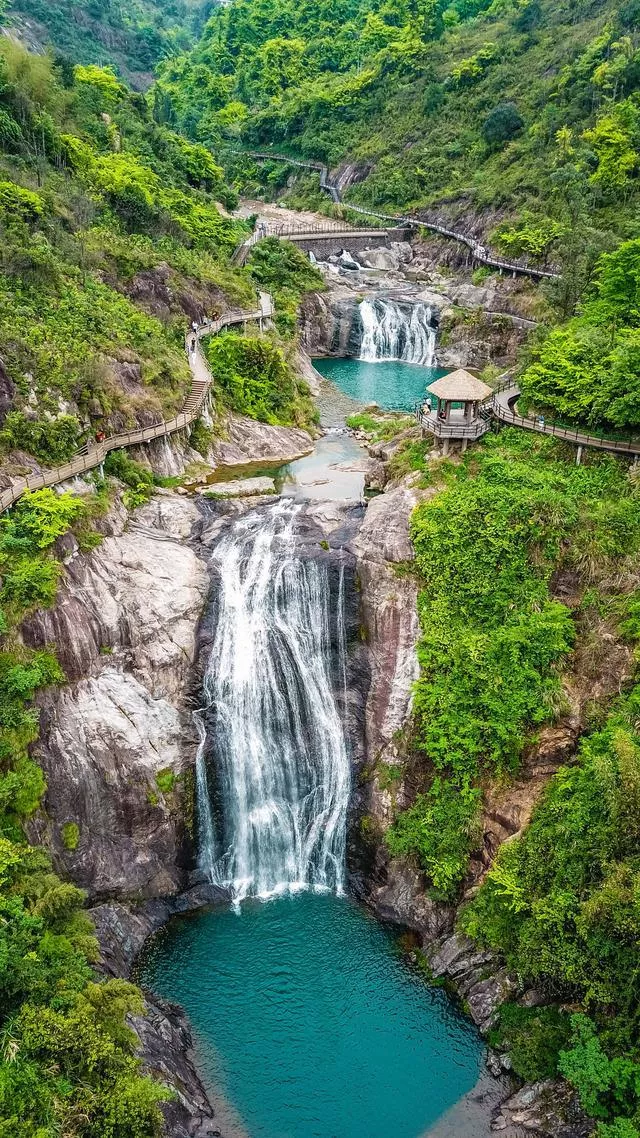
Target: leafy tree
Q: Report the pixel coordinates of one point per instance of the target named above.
(502, 124)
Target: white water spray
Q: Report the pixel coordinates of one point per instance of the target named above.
(281, 765)
(388, 333)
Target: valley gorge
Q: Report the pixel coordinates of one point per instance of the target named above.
(319, 569)
(126, 745)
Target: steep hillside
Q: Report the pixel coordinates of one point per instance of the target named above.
(131, 37)
(525, 111)
(112, 243)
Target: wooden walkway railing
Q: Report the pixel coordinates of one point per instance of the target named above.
(479, 253)
(502, 406)
(499, 406)
(94, 454)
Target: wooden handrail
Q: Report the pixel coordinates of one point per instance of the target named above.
(90, 456)
(478, 251)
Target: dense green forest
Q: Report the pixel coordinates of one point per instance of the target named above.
(133, 37)
(111, 241)
(522, 108)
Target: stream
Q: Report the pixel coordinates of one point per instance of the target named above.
(308, 1020)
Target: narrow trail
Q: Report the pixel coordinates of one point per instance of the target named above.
(479, 253)
(94, 454)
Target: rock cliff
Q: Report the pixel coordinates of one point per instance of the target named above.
(116, 742)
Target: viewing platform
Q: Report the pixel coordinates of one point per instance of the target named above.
(465, 409)
(457, 409)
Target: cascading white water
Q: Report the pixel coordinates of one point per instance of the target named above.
(281, 765)
(389, 334)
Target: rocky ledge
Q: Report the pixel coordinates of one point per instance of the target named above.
(166, 1043)
(117, 741)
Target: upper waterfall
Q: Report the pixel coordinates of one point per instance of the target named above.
(389, 333)
(281, 769)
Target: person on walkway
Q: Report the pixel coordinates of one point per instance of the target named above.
(100, 436)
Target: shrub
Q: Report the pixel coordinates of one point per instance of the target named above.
(28, 584)
(439, 829)
(166, 780)
(533, 1037)
(502, 124)
(253, 378)
(52, 442)
(38, 518)
(201, 437)
(70, 835)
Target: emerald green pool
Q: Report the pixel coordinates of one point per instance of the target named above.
(309, 1024)
(391, 384)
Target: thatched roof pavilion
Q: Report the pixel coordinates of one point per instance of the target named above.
(460, 387)
(457, 414)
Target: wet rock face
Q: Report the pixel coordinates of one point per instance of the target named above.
(7, 392)
(403, 900)
(116, 742)
(390, 620)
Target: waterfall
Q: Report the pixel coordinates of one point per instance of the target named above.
(206, 828)
(388, 333)
(282, 776)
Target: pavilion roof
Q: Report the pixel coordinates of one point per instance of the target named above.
(460, 387)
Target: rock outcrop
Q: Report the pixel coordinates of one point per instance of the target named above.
(246, 440)
(239, 440)
(389, 613)
(166, 1044)
(549, 1108)
(116, 742)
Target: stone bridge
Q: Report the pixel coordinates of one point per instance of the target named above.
(325, 242)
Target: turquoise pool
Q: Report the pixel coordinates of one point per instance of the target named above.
(309, 1024)
(393, 385)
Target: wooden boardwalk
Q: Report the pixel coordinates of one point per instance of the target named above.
(478, 251)
(502, 407)
(94, 454)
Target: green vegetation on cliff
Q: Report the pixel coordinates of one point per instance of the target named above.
(68, 1062)
(512, 533)
(111, 240)
(488, 547)
(253, 378)
(132, 37)
(561, 903)
(587, 371)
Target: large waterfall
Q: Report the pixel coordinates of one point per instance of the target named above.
(280, 777)
(389, 333)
